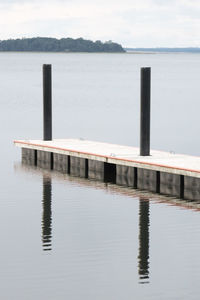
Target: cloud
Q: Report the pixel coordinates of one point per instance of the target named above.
(130, 22)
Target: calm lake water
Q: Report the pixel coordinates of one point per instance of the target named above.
(68, 238)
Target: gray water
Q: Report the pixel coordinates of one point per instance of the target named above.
(68, 238)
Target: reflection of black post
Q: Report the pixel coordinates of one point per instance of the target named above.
(143, 257)
(47, 103)
(145, 112)
(46, 218)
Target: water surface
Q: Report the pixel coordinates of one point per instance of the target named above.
(69, 238)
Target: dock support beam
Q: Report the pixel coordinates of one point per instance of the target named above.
(47, 103)
(145, 111)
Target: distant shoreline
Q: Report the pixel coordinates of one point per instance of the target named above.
(162, 50)
(85, 52)
(44, 44)
(63, 52)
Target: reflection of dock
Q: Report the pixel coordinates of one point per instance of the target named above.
(144, 209)
(46, 218)
(109, 187)
(165, 173)
(143, 257)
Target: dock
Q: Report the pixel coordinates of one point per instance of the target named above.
(165, 173)
(141, 168)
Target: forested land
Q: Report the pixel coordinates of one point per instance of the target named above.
(59, 45)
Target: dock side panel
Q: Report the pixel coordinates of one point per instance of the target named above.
(147, 180)
(61, 162)
(191, 188)
(78, 166)
(170, 184)
(125, 176)
(95, 170)
(45, 159)
(29, 156)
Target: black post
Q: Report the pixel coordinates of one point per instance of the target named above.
(145, 111)
(47, 103)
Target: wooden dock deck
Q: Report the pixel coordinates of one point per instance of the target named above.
(161, 172)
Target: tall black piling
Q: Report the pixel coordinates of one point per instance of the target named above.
(47, 103)
(145, 111)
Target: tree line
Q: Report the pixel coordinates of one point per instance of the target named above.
(59, 45)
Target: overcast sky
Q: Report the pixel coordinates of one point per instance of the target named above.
(136, 23)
